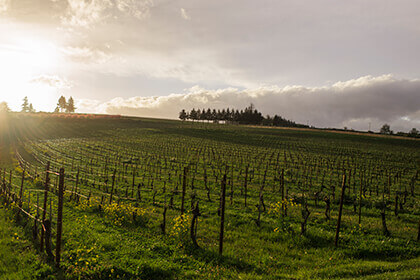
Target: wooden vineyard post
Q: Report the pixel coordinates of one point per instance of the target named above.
(4, 182)
(112, 187)
(59, 218)
(360, 198)
(184, 185)
(396, 204)
(10, 183)
(77, 182)
(260, 205)
(194, 223)
(134, 179)
(163, 224)
(21, 188)
(44, 209)
(418, 232)
(222, 214)
(35, 228)
(206, 185)
(139, 192)
(231, 186)
(246, 183)
(283, 203)
(383, 214)
(47, 225)
(340, 210)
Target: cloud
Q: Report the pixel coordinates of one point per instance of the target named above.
(184, 14)
(138, 9)
(84, 13)
(354, 103)
(4, 5)
(52, 81)
(86, 54)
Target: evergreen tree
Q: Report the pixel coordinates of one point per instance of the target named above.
(203, 115)
(249, 115)
(198, 117)
(70, 108)
(31, 109)
(183, 115)
(385, 129)
(193, 114)
(209, 115)
(214, 115)
(25, 105)
(4, 108)
(219, 115)
(62, 104)
(223, 115)
(414, 132)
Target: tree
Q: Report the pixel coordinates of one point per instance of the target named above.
(414, 132)
(228, 114)
(198, 115)
(31, 108)
(62, 104)
(214, 115)
(4, 108)
(193, 114)
(223, 115)
(70, 106)
(25, 105)
(385, 129)
(183, 115)
(209, 115)
(219, 115)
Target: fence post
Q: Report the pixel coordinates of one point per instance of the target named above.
(134, 179)
(47, 225)
(184, 185)
(194, 223)
(9, 187)
(340, 210)
(112, 188)
(163, 224)
(44, 209)
(21, 188)
(246, 183)
(59, 217)
(222, 214)
(74, 194)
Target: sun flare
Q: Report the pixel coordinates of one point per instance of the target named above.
(22, 60)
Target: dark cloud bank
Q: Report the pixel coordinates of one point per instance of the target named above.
(354, 103)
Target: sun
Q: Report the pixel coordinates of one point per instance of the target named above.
(22, 59)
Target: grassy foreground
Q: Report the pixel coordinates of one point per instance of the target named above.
(102, 241)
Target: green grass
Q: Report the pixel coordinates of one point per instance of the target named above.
(18, 257)
(97, 245)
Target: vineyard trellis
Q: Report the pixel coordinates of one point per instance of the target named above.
(181, 173)
(24, 206)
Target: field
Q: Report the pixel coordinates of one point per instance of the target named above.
(143, 199)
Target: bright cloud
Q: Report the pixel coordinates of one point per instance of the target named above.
(52, 81)
(354, 103)
(4, 5)
(249, 50)
(184, 14)
(84, 13)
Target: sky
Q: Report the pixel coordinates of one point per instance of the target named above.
(327, 63)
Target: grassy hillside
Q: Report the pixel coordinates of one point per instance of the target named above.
(114, 230)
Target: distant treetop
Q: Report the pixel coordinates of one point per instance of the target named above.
(64, 106)
(249, 115)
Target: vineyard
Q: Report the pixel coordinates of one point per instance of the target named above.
(132, 198)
